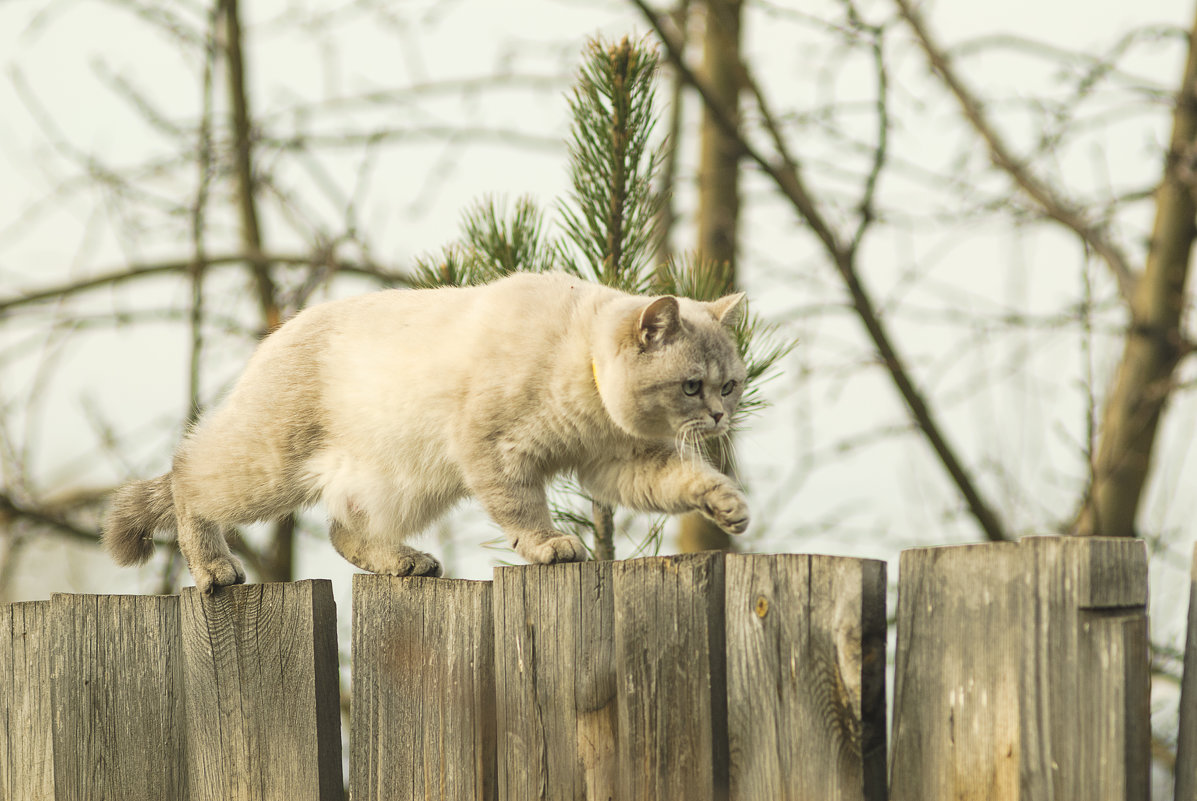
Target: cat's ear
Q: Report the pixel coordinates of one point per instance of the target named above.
(659, 321)
(729, 309)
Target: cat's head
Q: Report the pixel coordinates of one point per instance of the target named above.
(670, 368)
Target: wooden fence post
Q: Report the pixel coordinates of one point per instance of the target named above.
(1021, 672)
(117, 697)
(555, 681)
(423, 714)
(806, 677)
(262, 692)
(956, 673)
(670, 678)
(1186, 744)
(1085, 671)
(26, 744)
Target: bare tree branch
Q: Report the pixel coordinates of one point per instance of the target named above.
(184, 266)
(49, 519)
(1050, 200)
(784, 170)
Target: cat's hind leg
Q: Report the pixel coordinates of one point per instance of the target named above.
(385, 557)
(207, 552)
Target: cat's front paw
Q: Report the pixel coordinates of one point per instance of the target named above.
(726, 506)
(549, 547)
(222, 571)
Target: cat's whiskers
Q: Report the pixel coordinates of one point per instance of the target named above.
(688, 441)
(723, 444)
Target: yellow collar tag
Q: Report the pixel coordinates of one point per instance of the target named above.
(594, 370)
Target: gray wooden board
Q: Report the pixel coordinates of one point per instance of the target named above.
(805, 677)
(1022, 672)
(555, 681)
(423, 716)
(262, 692)
(1186, 744)
(1085, 730)
(26, 741)
(117, 700)
(955, 728)
(670, 678)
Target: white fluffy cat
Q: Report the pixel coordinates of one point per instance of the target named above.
(392, 406)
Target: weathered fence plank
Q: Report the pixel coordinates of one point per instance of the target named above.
(670, 678)
(1085, 671)
(1021, 672)
(806, 677)
(26, 746)
(555, 681)
(262, 692)
(117, 699)
(423, 711)
(1186, 744)
(956, 687)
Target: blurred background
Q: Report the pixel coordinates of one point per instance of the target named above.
(976, 221)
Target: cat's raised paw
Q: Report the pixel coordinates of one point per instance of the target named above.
(223, 571)
(726, 506)
(549, 547)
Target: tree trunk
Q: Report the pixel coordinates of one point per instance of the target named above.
(718, 197)
(1143, 382)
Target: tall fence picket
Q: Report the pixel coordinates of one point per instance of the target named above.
(26, 744)
(956, 689)
(555, 680)
(262, 692)
(1021, 672)
(806, 677)
(1085, 671)
(117, 697)
(423, 690)
(670, 677)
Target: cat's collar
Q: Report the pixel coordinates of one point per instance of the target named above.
(594, 371)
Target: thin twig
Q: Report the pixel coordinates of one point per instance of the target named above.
(1048, 198)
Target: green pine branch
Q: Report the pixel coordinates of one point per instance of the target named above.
(612, 212)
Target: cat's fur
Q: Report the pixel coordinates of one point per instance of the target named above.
(391, 406)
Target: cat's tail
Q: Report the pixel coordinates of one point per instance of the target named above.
(136, 511)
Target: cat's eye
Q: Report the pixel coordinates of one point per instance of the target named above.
(728, 388)
(692, 387)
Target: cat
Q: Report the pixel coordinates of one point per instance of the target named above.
(391, 406)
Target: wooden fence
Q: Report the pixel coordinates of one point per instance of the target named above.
(1021, 672)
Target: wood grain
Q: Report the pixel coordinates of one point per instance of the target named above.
(1022, 672)
(1085, 674)
(423, 711)
(805, 677)
(116, 696)
(262, 692)
(555, 681)
(26, 740)
(670, 678)
(956, 674)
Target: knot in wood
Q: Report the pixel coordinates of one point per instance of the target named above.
(762, 606)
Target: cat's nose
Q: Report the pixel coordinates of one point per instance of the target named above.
(717, 416)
